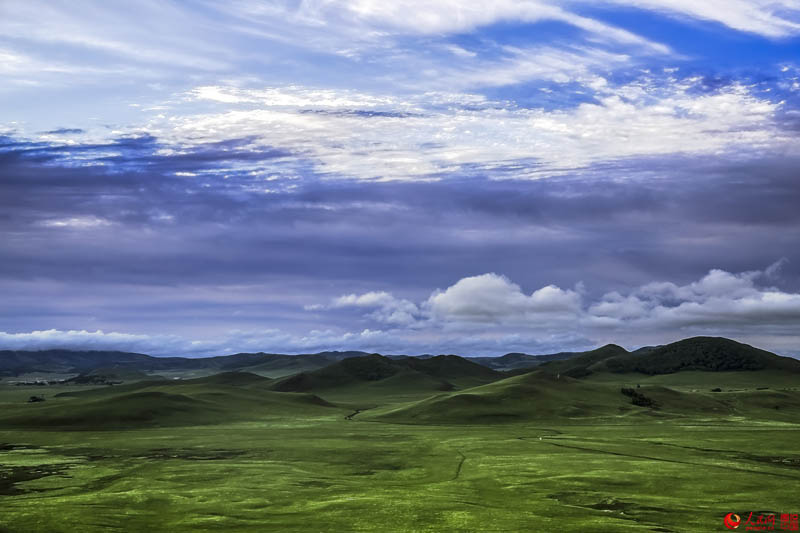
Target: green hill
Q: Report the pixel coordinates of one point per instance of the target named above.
(442, 372)
(545, 397)
(519, 361)
(711, 354)
(584, 364)
(220, 398)
(532, 396)
(16, 362)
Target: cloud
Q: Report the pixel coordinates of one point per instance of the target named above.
(453, 16)
(94, 340)
(489, 314)
(493, 298)
(494, 306)
(719, 299)
(75, 222)
(64, 131)
(388, 309)
(770, 18)
(433, 135)
(199, 256)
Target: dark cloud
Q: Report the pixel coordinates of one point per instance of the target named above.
(361, 113)
(131, 222)
(65, 131)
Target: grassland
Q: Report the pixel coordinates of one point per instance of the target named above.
(529, 453)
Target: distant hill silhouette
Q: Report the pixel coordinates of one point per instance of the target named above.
(582, 364)
(698, 353)
(213, 399)
(517, 361)
(15, 362)
(375, 367)
(709, 354)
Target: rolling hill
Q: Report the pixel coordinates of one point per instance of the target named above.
(14, 363)
(220, 398)
(544, 397)
(442, 372)
(708, 354)
(711, 354)
(519, 361)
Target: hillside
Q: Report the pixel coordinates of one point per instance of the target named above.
(442, 372)
(585, 363)
(544, 397)
(221, 398)
(711, 354)
(517, 361)
(13, 363)
(708, 354)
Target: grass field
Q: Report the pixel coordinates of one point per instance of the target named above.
(287, 463)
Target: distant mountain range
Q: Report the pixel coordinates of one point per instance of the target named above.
(697, 353)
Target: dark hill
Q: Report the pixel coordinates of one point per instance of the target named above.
(517, 361)
(711, 354)
(538, 396)
(445, 369)
(14, 362)
(451, 366)
(233, 379)
(367, 368)
(544, 397)
(585, 363)
(217, 399)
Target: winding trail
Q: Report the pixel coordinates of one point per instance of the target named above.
(354, 413)
(460, 465)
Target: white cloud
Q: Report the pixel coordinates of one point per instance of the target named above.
(435, 133)
(771, 18)
(76, 222)
(493, 298)
(387, 308)
(490, 315)
(492, 307)
(719, 299)
(94, 340)
(364, 22)
(518, 65)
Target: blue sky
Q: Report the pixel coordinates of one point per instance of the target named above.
(196, 178)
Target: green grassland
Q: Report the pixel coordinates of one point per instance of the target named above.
(381, 446)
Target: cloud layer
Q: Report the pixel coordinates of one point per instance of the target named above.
(489, 314)
(292, 176)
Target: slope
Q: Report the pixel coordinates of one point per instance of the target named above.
(711, 354)
(221, 398)
(518, 361)
(541, 396)
(442, 372)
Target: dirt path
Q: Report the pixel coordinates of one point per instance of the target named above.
(354, 413)
(460, 465)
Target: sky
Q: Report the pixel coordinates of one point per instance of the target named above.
(200, 178)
